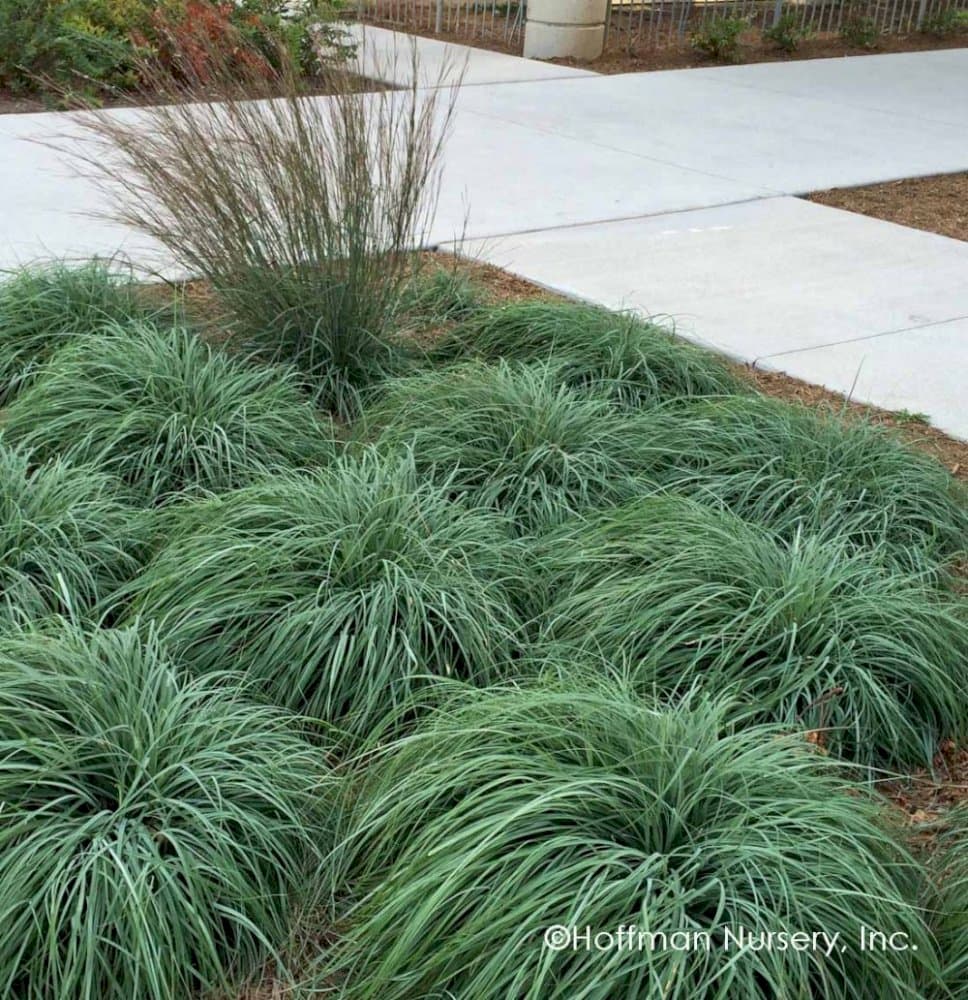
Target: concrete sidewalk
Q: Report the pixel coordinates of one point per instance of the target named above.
(667, 192)
(387, 56)
(867, 308)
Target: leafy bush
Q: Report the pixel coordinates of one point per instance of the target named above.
(88, 47)
(76, 44)
(166, 412)
(302, 215)
(944, 23)
(794, 468)
(860, 32)
(337, 593)
(787, 32)
(66, 540)
(634, 362)
(42, 307)
(512, 437)
(153, 830)
(718, 38)
(804, 633)
(516, 812)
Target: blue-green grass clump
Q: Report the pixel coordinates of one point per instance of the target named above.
(43, 307)
(340, 593)
(68, 539)
(167, 413)
(793, 468)
(155, 830)
(514, 811)
(807, 632)
(511, 437)
(631, 361)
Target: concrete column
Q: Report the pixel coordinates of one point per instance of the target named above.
(558, 28)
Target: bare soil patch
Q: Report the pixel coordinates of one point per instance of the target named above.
(937, 204)
(619, 57)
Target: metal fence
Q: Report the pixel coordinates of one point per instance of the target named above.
(642, 24)
(663, 22)
(473, 20)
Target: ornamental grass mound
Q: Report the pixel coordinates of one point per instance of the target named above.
(791, 467)
(301, 215)
(67, 539)
(167, 413)
(155, 830)
(950, 918)
(510, 436)
(632, 361)
(513, 815)
(41, 308)
(806, 632)
(337, 593)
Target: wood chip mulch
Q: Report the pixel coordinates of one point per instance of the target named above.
(937, 204)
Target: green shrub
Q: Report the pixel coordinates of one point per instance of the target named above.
(634, 362)
(787, 32)
(946, 22)
(519, 811)
(794, 468)
(339, 593)
(66, 539)
(166, 413)
(512, 437)
(804, 633)
(302, 215)
(154, 829)
(860, 32)
(85, 48)
(75, 44)
(718, 38)
(43, 307)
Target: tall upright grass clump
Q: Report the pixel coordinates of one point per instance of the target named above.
(512, 437)
(154, 831)
(632, 361)
(42, 307)
(792, 467)
(514, 814)
(338, 593)
(301, 213)
(806, 632)
(167, 413)
(67, 539)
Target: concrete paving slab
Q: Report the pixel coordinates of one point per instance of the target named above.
(922, 371)
(911, 84)
(499, 178)
(755, 279)
(868, 121)
(387, 55)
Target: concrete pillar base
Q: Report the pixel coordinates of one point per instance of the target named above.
(572, 29)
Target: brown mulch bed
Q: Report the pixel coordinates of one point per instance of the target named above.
(938, 204)
(924, 797)
(619, 58)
